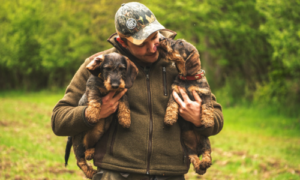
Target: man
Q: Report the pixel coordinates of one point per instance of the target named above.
(148, 149)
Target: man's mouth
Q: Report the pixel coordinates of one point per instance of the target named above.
(152, 54)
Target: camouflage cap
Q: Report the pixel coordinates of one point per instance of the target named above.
(135, 22)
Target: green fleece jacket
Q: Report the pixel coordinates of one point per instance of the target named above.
(148, 146)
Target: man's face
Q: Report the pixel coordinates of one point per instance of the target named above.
(146, 52)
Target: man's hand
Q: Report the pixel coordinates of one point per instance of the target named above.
(188, 109)
(110, 104)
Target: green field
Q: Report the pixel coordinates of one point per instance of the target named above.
(255, 143)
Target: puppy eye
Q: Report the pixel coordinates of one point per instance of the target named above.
(108, 69)
(180, 42)
(122, 68)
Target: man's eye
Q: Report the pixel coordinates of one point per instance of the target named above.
(154, 37)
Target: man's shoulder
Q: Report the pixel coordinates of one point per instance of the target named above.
(111, 50)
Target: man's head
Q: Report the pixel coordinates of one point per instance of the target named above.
(138, 29)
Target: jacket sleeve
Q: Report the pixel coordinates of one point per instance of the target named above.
(68, 118)
(218, 121)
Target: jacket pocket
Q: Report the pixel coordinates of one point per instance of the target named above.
(164, 73)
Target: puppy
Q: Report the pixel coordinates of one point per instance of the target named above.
(111, 72)
(191, 77)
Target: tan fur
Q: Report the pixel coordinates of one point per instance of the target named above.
(107, 84)
(87, 169)
(92, 136)
(89, 154)
(199, 90)
(93, 111)
(122, 84)
(124, 115)
(195, 161)
(171, 113)
(207, 116)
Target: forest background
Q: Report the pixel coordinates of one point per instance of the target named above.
(249, 49)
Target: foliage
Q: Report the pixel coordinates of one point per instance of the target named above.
(46, 41)
(248, 48)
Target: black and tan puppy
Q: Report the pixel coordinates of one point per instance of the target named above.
(191, 77)
(111, 72)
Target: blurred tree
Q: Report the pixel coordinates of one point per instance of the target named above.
(282, 27)
(46, 41)
(248, 48)
(226, 32)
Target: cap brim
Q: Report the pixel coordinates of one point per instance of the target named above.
(139, 37)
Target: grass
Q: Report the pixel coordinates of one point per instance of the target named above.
(255, 143)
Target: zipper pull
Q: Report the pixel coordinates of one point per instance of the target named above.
(146, 70)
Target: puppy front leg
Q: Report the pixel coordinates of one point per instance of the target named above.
(171, 115)
(207, 112)
(172, 110)
(94, 106)
(124, 112)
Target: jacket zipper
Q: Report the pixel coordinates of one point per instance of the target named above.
(151, 121)
(113, 136)
(165, 80)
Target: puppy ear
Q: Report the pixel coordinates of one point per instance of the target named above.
(131, 74)
(94, 65)
(193, 63)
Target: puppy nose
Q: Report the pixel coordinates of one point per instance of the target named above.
(115, 85)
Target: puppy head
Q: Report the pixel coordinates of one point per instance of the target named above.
(184, 54)
(116, 71)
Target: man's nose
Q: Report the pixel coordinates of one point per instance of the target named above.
(153, 47)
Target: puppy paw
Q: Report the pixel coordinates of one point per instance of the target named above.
(125, 123)
(171, 116)
(205, 163)
(124, 115)
(90, 173)
(89, 154)
(92, 114)
(207, 117)
(169, 121)
(200, 171)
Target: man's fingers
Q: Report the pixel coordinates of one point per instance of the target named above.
(197, 97)
(118, 96)
(111, 94)
(177, 98)
(185, 97)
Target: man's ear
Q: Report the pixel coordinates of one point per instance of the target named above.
(94, 65)
(131, 74)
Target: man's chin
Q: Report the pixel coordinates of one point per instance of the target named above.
(152, 59)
